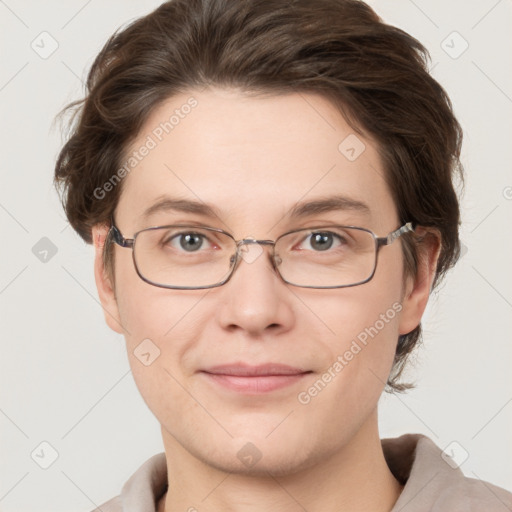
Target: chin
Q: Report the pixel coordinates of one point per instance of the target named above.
(267, 466)
(254, 456)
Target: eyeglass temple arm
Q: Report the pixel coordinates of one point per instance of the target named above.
(118, 238)
(406, 228)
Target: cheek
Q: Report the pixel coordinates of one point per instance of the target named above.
(148, 311)
(164, 321)
(364, 325)
(159, 335)
(345, 392)
(364, 313)
(365, 339)
(164, 327)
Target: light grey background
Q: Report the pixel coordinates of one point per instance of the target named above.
(64, 376)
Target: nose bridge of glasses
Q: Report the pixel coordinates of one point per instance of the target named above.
(251, 256)
(250, 240)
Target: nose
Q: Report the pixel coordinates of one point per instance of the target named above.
(255, 299)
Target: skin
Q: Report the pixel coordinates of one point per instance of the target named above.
(254, 158)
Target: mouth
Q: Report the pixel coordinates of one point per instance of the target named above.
(254, 380)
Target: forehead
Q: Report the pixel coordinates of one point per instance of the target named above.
(253, 159)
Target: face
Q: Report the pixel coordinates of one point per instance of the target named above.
(252, 159)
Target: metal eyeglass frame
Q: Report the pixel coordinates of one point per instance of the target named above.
(116, 236)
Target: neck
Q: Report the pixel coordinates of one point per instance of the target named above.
(356, 477)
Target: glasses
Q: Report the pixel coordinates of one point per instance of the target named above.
(188, 257)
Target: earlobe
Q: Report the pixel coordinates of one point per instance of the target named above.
(104, 284)
(418, 289)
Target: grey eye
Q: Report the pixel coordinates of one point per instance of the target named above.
(191, 242)
(321, 241)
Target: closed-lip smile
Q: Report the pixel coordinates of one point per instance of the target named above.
(249, 379)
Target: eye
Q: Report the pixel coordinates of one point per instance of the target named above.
(188, 241)
(323, 241)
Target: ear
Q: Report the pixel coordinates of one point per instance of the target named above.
(417, 288)
(104, 285)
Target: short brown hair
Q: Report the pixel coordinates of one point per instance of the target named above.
(374, 73)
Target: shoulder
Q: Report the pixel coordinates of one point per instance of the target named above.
(142, 490)
(474, 495)
(433, 481)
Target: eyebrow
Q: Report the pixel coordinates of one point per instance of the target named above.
(167, 203)
(327, 204)
(299, 210)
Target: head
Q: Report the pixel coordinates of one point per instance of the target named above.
(249, 107)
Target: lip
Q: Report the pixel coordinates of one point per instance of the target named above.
(247, 370)
(254, 380)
